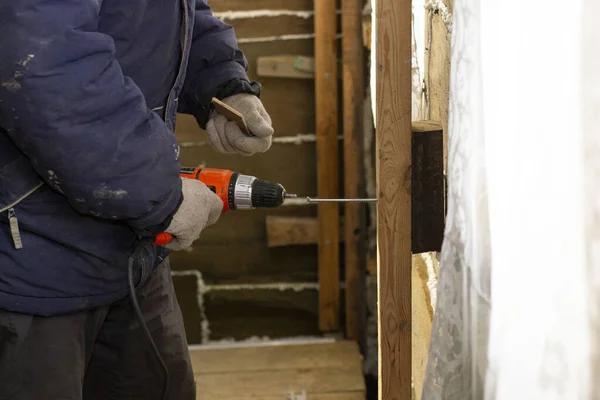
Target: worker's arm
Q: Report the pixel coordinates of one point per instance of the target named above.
(84, 125)
(216, 67)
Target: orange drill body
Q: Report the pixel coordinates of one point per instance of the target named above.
(238, 192)
(217, 180)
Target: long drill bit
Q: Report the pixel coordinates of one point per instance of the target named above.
(310, 200)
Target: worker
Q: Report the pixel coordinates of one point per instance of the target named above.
(89, 168)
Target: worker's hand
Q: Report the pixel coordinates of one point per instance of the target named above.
(226, 137)
(199, 209)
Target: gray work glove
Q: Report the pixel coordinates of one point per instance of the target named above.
(226, 137)
(199, 209)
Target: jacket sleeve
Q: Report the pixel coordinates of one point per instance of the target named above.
(84, 125)
(216, 67)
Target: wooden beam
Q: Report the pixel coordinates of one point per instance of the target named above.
(427, 205)
(393, 95)
(326, 97)
(354, 213)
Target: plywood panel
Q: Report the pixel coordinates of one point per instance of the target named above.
(302, 356)
(237, 5)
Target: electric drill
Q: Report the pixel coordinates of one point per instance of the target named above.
(238, 192)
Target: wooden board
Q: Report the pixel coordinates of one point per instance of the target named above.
(300, 356)
(330, 371)
(231, 114)
(354, 213)
(259, 384)
(237, 5)
(290, 231)
(285, 66)
(393, 81)
(313, 396)
(270, 26)
(326, 100)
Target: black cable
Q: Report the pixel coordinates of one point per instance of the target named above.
(142, 322)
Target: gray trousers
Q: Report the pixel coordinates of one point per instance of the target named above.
(98, 354)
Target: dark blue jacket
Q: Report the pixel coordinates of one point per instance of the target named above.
(89, 90)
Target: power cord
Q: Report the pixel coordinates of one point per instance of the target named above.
(142, 322)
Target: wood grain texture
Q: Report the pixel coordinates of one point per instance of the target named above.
(238, 5)
(270, 26)
(325, 371)
(293, 231)
(393, 84)
(261, 384)
(326, 100)
(354, 213)
(302, 356)
(283, 67)
(422, 319)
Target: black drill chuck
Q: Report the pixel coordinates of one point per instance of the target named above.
(267, 194)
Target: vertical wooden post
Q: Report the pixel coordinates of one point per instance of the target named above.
(353, 88)
(393, 81)
(326, 95)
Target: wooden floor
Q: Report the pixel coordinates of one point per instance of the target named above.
(324, 371)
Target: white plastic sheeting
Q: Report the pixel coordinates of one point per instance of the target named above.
(518, 307)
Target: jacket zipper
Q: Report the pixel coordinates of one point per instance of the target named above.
(184, 28)
(14, 228)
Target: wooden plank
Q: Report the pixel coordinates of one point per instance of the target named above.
(231, 114)
(283, 67)
(261, 384)
(270, 26)
(313, 396)
(354, 213)
(244, 313)
(393, 94)
(287, 231)
(238, 5)
(301, 356)
(326, 96)
(428, 199)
